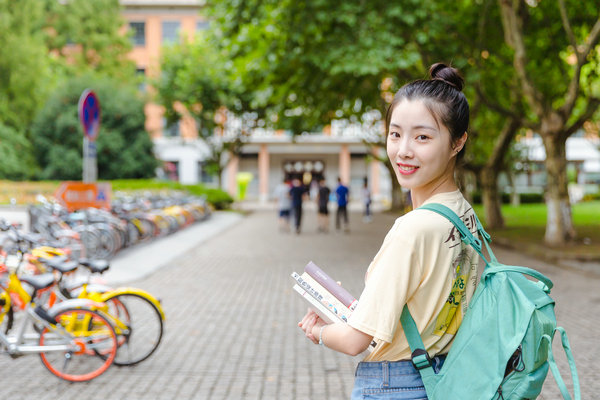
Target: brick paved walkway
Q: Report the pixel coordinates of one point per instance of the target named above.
(231, 328)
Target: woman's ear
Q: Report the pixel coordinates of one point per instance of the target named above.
(460, 143)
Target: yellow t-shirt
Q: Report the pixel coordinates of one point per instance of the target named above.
(422, 262)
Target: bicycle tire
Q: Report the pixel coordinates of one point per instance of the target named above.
(145, 327)
(92, 332)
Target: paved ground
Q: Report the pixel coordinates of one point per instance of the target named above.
(231, 328)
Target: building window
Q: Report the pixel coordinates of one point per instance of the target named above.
(305, 170)
(170, 130)
(140, 73)
(170, 31)
(138, 38)
(202, 25)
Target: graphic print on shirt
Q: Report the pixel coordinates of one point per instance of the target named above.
(468, 218)
(449, 319)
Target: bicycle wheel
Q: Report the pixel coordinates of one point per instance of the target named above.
(139, 327)
(91, 334)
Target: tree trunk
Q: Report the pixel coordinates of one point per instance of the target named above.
(491, 198)
(220, 178)
(559, 223)
(492, 201)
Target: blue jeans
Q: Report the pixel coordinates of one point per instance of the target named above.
(390, 380)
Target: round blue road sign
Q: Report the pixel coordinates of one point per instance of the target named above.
(89, 114)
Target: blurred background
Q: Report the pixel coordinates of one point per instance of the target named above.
(238, 95)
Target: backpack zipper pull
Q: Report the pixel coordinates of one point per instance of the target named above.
(500, 397)
(518, 365)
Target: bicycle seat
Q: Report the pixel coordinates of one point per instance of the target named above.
(55, 259)
(39, 282)
(96, 266)
(62, 265)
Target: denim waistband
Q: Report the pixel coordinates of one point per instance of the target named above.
(384, 369)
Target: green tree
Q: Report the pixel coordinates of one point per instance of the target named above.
(124, 148)
(88, 36)
(555, 60)
(311, 62)
(16, 158)
(24, 68)
(195, 82)
(308, 62)
(497, 113)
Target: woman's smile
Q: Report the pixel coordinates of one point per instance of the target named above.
(406, 169)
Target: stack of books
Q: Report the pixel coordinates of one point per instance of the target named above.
(329, 300)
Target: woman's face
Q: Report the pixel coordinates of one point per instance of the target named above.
(421, 150)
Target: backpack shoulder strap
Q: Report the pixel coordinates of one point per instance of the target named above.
(559, 381)
(465, 233)
(420, 358)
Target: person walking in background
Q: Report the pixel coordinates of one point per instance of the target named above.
(420, 264)
(322, 205)
(343, 195)
(297, 193)
(284, 203)
(366, 194)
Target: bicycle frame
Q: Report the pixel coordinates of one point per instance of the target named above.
(23, 343)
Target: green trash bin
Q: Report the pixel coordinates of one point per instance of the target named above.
(243, 180)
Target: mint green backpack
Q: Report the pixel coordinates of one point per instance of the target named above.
(503, 348)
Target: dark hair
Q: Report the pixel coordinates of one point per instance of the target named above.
(442, 95)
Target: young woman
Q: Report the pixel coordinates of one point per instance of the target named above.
(422, 262)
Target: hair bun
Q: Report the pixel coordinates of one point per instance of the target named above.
(442, 72)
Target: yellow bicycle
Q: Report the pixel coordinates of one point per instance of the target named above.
(74, 341)
(136, 315)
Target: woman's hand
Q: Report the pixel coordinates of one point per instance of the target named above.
(311, 320)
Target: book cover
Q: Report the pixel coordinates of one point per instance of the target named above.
(331, 285)
(322, 301)
(327, 315)
(317, 291)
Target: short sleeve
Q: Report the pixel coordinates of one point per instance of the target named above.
(393, 276)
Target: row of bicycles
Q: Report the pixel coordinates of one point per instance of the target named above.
(52, 305)
(100, 234)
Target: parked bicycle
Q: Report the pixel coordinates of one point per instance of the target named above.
(74, 341)
(136, 315)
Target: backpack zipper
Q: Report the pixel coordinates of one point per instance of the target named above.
(514, 364)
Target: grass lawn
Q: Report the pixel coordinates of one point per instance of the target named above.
(24, 193)
(526, 225)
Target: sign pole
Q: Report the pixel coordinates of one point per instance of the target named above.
(86, 160)
(90, 169)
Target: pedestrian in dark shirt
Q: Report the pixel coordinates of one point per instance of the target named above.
(322, 203)
(297, 193)
(343, 195)
(366, 193)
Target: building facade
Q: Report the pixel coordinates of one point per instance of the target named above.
(268, 156)
(582, 151)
